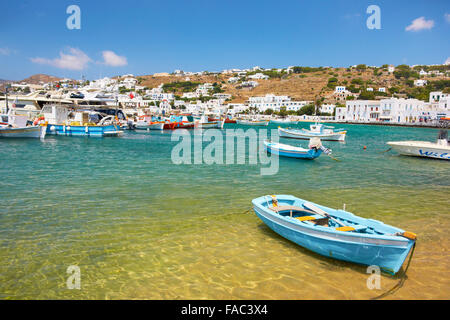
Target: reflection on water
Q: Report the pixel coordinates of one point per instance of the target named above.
(140, 227)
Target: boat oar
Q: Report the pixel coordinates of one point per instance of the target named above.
(319, 211)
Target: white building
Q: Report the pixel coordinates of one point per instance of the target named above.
(391, 69)
(259, 76)
(359, 111)
(382, 89)
(393, 110)
(327, 108)
(271, 101)
(436, 96)
(339, 89)
(249, 84)
(420, 82)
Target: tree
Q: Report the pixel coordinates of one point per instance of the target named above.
(309, 109)
(367, 95)
(268, 111)
(282, 112)
(361, 67)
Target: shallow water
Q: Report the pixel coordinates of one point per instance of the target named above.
(141, 227)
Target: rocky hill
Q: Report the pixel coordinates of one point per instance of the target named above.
(314, 83)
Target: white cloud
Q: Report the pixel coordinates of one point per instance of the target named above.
(447, 61)
(420, 24)
(74, 60)
(5, 51)
(112, 59)
(447, 17)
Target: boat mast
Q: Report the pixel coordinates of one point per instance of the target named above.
(6, 97)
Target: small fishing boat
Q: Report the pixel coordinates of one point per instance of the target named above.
(314, 150)
(72, 121)
(261, 123)
(148, 123)
(17, 126)
(204, 123)
(436, 150)
(326, 133)
(180, 122)
(228, 119)
(22, 132)
(283, 121)
(141, 125)
(335, 233)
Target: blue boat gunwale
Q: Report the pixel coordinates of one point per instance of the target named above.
(403, 242)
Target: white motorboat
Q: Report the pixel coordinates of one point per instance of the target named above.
(436, 150)
(326, 133)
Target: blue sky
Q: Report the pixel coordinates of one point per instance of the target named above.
(144, 37)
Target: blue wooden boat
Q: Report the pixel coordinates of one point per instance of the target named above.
(286, 150)
(88, 131)
(335, 233)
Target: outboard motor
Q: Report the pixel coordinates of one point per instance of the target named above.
(316, 144)
(443, 137)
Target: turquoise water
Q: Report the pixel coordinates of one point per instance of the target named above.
(141, 227)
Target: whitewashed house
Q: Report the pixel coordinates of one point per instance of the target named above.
(327, 108)
(420, 82)
(259, 76)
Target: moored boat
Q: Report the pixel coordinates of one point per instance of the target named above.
(283, 121)
(335, 233)
(316, 130)
(436, 150)
(148, 123)
(67, 121)
(205, 123)
(314, 150)
(261, 123)
(16, 126)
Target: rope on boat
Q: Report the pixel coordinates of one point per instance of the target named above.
(386, 150)
(335, 159)
(402, 280)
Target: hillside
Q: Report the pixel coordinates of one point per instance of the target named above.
(38, 78)
(309, 85)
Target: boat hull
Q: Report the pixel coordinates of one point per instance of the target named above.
(291, 152)
(421, 149)
(283, 122)
(305, 135)
(25, 132)
(386, 252)
(253, 123)
(214, 124)
(87, 131)
(153, 126)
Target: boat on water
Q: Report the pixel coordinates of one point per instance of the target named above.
(434, 150)
(317, 130)
(148, 123)
(74, 121)
(283, 121)
(18, 126)
(228, 119)
(261, 123)
(204, 123)
(179, 122)
(335, 233)
(314, 150)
